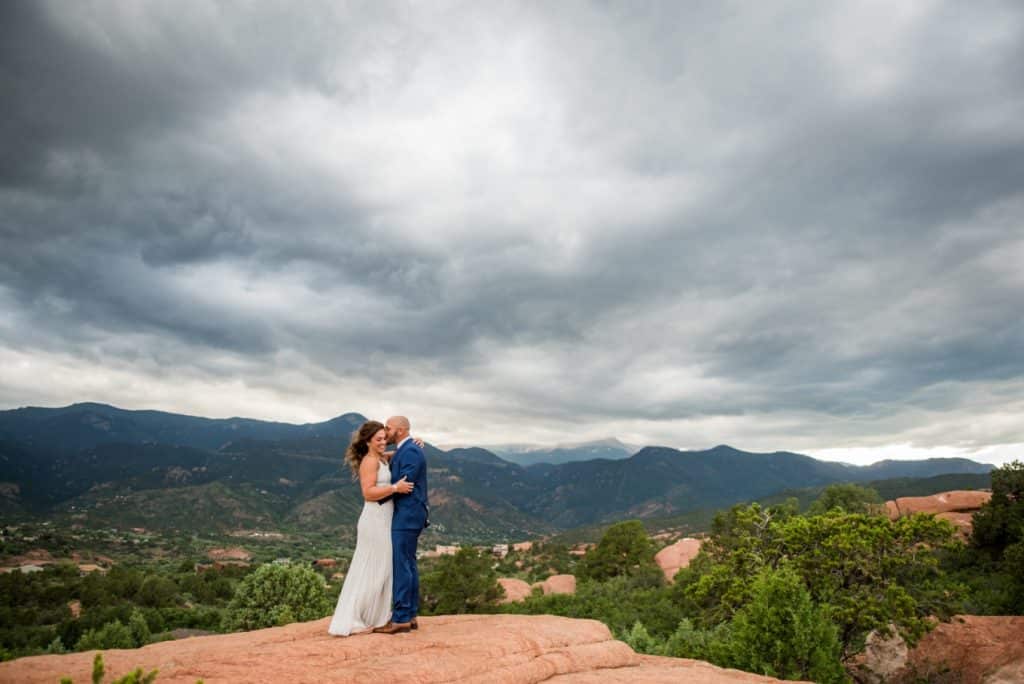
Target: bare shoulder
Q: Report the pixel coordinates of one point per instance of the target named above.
(369, 464)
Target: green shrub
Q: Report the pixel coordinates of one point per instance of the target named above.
(849, 498)
(156, 591)
(625, 549)
(111, 635)
(618, 602)
(275, 595)
(782, 633)
(871, 571)
(139, 628)
(461, 583)
(98, 670)
(689, 641)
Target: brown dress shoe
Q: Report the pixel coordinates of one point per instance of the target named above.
(394, 628)
(414, 624)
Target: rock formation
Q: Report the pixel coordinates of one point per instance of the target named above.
(958, 507)
(491, 649)
(515, 589)
(882, 659)
(558, 584)
(970, 649)
(979, 649)
(232, 554)
(675, 556)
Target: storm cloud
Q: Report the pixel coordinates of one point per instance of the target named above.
(781, 226)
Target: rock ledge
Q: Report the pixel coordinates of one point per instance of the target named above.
(496, 649)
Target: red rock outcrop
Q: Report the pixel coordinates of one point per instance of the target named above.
(515, 589)
(675, 556)
(658, 670)
(963, 522)
(979, 649)
(482, 649)
(882, 659)
(558, 584)
(957, 507)
(946, 502)
(233, 554)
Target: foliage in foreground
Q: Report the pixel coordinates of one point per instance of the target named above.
(773, 592)
(99, 670)
(867, 571)
(134, 677)
(998, 539)
(461, 583)
(277, 595)
(780, 633)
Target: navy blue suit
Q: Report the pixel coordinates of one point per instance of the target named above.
(408, 522)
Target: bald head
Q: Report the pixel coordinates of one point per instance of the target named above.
(397, 428)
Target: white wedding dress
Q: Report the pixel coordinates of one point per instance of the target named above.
(365, 599)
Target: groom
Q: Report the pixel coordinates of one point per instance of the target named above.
(408, 522)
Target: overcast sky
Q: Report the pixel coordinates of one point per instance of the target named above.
(781, 226)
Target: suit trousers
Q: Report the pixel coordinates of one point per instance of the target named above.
(405, 575)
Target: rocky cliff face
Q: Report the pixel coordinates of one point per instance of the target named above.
(969, 649)
(979, 649)
(676, 556)
(491, 649)
(958, 507)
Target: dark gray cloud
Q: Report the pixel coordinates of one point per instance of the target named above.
(781, 227)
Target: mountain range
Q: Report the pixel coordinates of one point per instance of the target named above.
(524, 455)
(99, 464)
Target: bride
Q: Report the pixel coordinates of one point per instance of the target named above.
(365, 599)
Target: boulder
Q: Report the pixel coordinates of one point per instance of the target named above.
(963, 522)
(231, 554)
(1008, 674)
(481, 649)
(515, 589)
(958, 507)
(882, 659)
(946, 502)
(675, 556)
(558, 584)
(979, 649)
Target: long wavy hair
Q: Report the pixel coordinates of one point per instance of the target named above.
(360, 444)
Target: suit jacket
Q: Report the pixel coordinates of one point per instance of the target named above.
(411, 510)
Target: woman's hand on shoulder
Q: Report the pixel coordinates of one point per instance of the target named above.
(419, 442)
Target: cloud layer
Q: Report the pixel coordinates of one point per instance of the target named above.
(782, 228)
